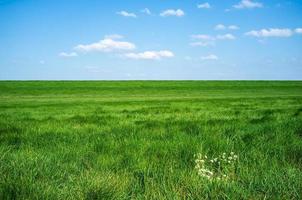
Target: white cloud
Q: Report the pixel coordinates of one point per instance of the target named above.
(204, 40)
(272, 32)
(233, 27)
(106, 45)
(126, 14)
(202, 37)
(204, 5)
(146, 11)
(298, 30)
(209, 57)
(248, 4)
(203, 43)
(171, 12)
(42, 62)
(220, 27)
(208, 40)
(150, 55)
(64, 54)
(114, 36)
(226, 37)
(211, 38)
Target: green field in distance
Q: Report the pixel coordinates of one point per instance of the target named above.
(137, 139)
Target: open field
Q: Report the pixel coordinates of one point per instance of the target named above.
(137, 139)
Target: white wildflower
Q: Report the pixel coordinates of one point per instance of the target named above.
(207, 168)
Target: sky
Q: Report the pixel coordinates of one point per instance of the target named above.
(150, 40)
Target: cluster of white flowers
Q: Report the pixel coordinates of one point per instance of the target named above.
(219, 168)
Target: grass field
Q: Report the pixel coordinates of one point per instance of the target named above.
(137, 140)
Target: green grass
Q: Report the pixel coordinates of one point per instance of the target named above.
(137, 140)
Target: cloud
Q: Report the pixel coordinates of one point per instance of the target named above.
(226, 37)
(220, 27)
(208, 40)
(114, 36)
(171, 12)
(209, 57)
(202, 43)
(272, 32)
(64, 54)
(298, 30)
(150, 55)
(204, 5)
(248, 4)
(233, 27)
(204, 40)
(202, 37)
(146, 11)
(42, 62)
(126, 14)
(106, 45)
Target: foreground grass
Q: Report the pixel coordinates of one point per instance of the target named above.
(137, 140)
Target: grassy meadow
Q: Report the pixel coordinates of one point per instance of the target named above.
(137, 139)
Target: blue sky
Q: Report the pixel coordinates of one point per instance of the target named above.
(150, 39)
